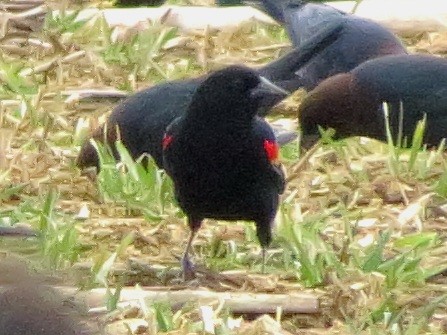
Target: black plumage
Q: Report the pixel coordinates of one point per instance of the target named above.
(222, 156)
(362, 39)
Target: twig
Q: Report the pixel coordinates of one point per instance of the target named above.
(83, 94)
(17, 232)
(299, 166)
(53, 63)
(237, 302)
(19, 5)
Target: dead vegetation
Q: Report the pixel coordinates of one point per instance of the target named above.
(361, 228)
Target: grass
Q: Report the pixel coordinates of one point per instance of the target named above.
(137, 185)
(362, 224)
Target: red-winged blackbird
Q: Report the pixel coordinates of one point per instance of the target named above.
(351, 103)
(360, 40)
(222, 157)
(143, 117)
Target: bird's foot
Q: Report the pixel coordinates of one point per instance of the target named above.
(188, 269)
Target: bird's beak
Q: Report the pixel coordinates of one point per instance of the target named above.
(267, 85)
(267, 94)
(90, 172)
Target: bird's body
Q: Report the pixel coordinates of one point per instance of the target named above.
(221, 156)
(361, 40)
(143, 117)
(351, 103)
(216, 178)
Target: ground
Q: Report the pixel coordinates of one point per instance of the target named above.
(361, 226)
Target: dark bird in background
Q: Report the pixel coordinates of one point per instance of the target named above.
(30, 307)
(222, 157)
(361, 39)
(143, 117)
(351, 103)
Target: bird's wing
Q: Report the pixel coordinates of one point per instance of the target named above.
(303, 22)
(282, 71)
(167, 140)
(265, 136)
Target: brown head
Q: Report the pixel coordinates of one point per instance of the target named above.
(88, 157)
(340, 103)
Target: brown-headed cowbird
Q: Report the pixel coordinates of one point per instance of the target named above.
(222, 157)
(143, 117)
(351, 103)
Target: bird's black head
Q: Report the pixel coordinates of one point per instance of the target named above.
(235, 91)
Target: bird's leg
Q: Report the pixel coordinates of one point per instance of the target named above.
(187, 265)
(264, 233)
(264, 257)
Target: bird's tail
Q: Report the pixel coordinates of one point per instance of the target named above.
(282, 71)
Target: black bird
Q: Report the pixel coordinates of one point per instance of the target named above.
(361, 39)
(143, 117)
(351, 103)
(222, 157)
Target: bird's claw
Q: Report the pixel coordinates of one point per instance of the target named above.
(188, 269)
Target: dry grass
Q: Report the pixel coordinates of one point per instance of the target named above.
(343, 198)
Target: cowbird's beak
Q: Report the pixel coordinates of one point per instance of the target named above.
(90, 172)
(267, 94)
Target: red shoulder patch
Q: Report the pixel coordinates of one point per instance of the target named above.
(271, 149)
(167, 140)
